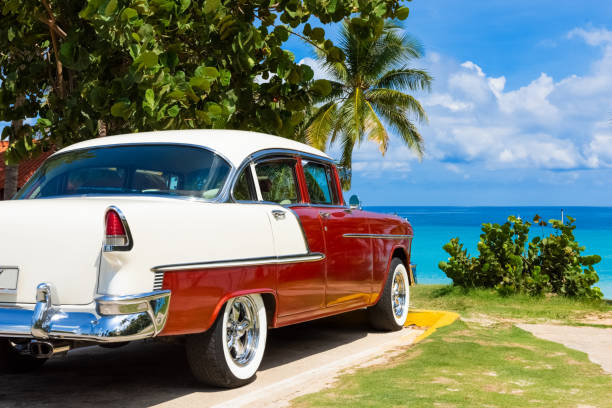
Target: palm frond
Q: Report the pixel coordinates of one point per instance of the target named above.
(405, 78)
(346, 161)
(402, 126)
(389, 51)
(320, 126)
(391, 98)
(376, 130)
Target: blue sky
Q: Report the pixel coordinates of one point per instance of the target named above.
(520, 112)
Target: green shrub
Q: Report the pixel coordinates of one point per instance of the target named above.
(510, 264)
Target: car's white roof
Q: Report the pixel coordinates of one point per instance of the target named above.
(234, 145)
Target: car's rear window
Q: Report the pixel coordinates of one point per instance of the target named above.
(173, 170)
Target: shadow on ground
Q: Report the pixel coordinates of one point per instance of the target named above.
(149, 372)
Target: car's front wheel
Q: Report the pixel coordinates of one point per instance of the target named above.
(230, 352)
(391, 311)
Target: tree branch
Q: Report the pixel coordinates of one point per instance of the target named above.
(58, 63)
(53, 26)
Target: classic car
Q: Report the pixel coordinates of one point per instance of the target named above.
(209, 236)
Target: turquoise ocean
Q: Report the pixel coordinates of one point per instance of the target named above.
(435, 226)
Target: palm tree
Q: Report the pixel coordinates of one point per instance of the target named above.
(368, 98)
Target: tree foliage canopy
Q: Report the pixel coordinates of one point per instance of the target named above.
(141, 65)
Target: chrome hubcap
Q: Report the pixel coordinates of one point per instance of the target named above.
(398, 294)
(242, 330)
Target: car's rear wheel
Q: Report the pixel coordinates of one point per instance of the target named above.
(230, 352)
(391, 311)
(11, 361)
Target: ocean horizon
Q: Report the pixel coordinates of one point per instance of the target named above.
(434, 226)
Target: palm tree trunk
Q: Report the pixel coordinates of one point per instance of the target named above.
(11, 172)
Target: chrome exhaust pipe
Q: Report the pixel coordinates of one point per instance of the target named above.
(41, 349)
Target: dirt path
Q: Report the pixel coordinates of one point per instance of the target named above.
(299, 359)
(596, 342)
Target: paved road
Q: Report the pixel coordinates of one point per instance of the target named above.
(298, 359)
(596, 342)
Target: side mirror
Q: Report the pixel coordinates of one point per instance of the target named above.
(354, 202)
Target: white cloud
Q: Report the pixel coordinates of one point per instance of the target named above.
(547, 123)
(592, 36)
(447, 101)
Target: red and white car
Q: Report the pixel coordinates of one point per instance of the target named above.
(213, 236)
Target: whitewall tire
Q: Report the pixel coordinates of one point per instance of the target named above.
(391, 310)
(230, 352)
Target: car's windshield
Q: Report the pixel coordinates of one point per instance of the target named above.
(174, 170)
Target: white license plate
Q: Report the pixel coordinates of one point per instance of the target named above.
(8, 279)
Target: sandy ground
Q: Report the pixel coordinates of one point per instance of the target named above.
(299, 359)
(596, 342)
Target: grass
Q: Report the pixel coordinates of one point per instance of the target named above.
(471, 363)
(466, 365)
(474, 303)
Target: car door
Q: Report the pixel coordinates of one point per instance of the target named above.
(348, 249)
(300, 285)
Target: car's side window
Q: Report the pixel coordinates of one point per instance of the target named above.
(321, 184)
(277, 181)
(244, 189)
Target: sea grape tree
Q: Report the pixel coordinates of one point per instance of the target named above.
(510, 263)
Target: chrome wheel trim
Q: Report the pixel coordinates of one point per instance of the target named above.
(242, 330)
(400, 294)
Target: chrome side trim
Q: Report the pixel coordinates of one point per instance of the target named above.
(269, 260)
(377, 236)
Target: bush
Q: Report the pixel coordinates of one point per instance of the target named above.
(508, 263)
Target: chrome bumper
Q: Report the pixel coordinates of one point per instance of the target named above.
(111, 318)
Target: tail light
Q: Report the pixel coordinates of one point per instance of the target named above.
(118, 237)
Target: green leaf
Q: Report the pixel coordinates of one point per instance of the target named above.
(11, 34)
(322, 87)
(307, 72)
(149, 100)
(148, 59)
(44, 122)
(173, 111)
(184, 5)
(200, 83)
(318, 34)
(206, 72)
(335, 54)
(212, 6)
(402, 13)
(111, 7)
(225, 76)
(307, 30)
(294, 76)
(121, 109)
(128, 15)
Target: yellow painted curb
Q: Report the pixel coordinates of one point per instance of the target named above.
(432, 319)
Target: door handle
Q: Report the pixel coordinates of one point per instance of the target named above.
(278, 214)
(324, 214)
